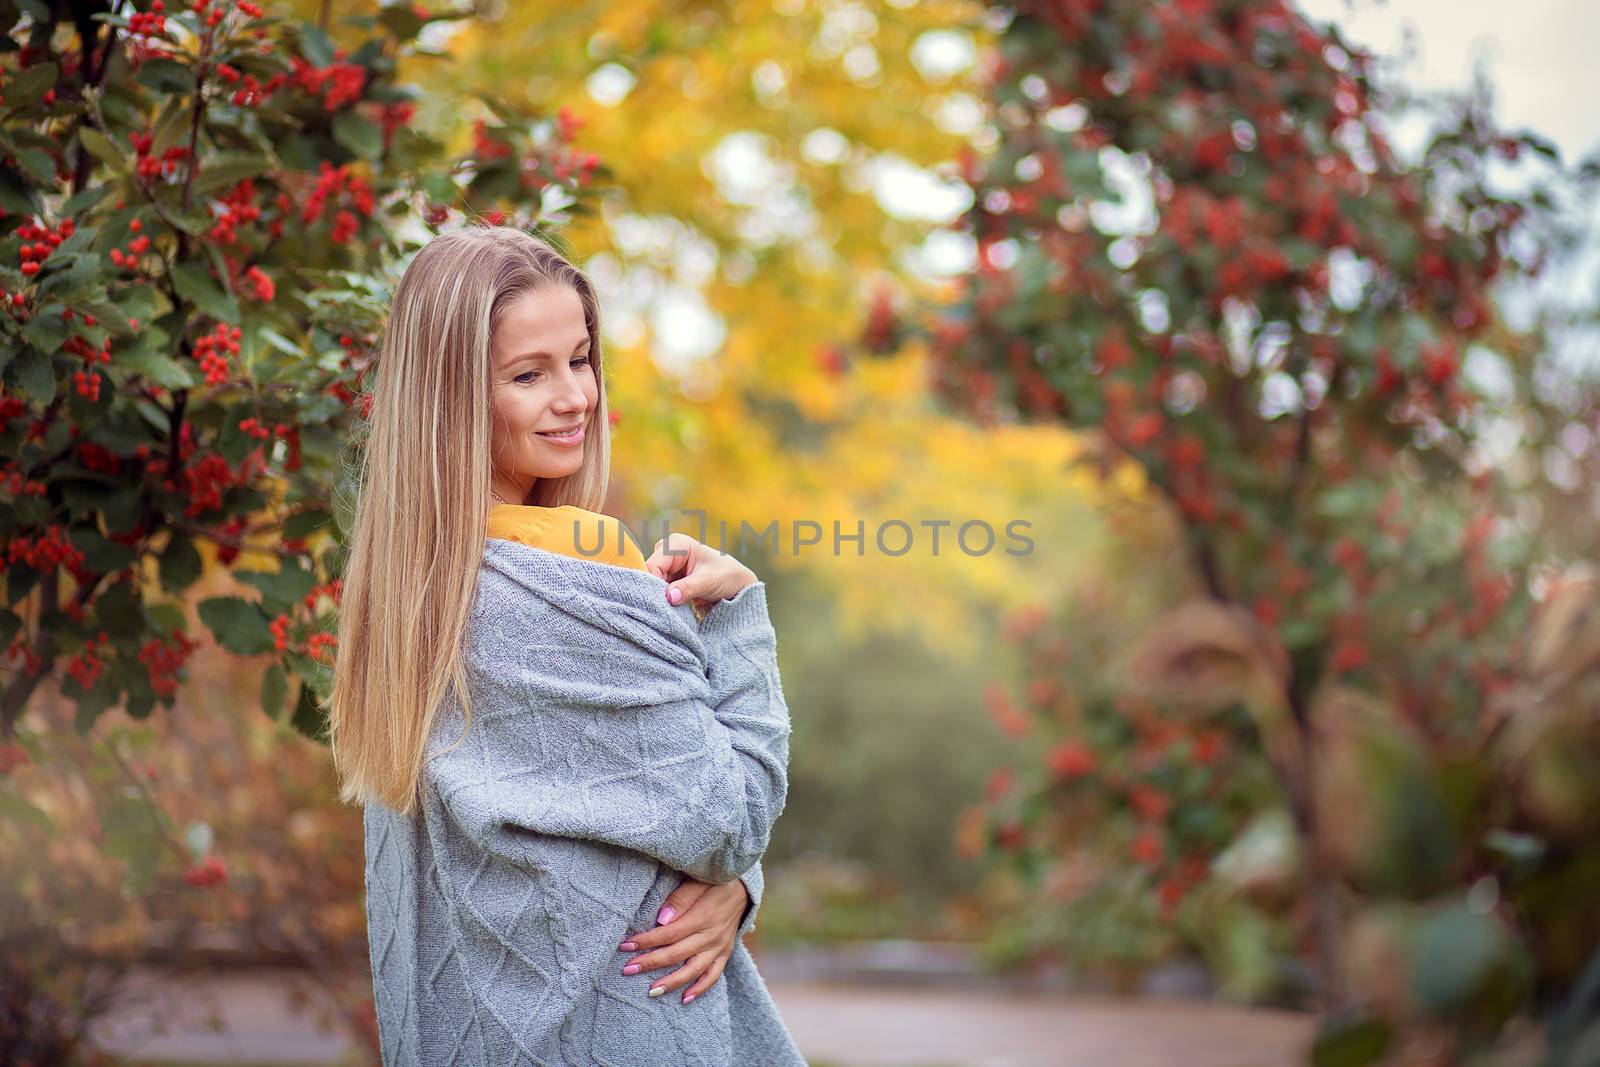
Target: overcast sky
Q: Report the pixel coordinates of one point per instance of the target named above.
(1542, 56)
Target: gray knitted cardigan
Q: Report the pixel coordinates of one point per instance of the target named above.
(616, 745)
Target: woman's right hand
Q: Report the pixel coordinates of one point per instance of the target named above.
(697, 572)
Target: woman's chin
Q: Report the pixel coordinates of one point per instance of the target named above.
(556, 468)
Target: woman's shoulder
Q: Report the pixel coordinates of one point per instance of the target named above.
(568, 530)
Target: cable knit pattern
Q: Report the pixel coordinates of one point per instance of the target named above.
(616, 744)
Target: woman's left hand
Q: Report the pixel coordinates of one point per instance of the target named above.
(701, 935)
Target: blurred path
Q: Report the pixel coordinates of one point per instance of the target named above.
(840, 1025)
(866, 1026)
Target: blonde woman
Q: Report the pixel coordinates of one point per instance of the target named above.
(570, 756)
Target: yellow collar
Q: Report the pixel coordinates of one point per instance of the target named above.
(566, 528)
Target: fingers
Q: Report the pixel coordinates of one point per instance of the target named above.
(697, 967)
(680, 900)
(675, 953)
(707, 979)
(668, 561)
(678, 925)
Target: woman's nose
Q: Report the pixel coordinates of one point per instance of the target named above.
(572, 397)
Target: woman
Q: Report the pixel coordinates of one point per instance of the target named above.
(569, 762)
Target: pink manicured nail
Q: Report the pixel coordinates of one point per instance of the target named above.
(666, 915)
(627, 946)
(632, 968)
(674, 594)
(688, 997)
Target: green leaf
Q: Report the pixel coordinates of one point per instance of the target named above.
(165, 76)
(1457, 954)
(195, 283)
(281, 589)
(359, 135)
(132, 832)
(101, 147)
(29, 85)
(274, 690)
(93, 703)
(315, 45)
(1350, 1043)
(224, 171)
(88, 198)
(280, 342)
(14, 809)
(46, 330)
(173, 125)
(309, 719)
(316, 674)
(71, 282)
(165, 619)
(100, 555)
(306, 522)
(16, 196)
(36, 377)
(238, 625)
(118, 609)
(158, 367)
(180, 563)
(401, 21)
(38, 165)
(108, 316)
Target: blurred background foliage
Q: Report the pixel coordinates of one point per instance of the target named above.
(982, 751)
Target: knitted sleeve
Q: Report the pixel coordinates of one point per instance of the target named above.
(754, 882)
(609, 734)
(734, 631)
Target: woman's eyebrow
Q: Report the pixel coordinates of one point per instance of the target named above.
(541, 354)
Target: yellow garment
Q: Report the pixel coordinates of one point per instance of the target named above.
(563, 529)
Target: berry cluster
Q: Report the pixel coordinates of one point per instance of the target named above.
(204, 482)
(149, 166)
(46, 552)
(261, 285)
(333, 589)
(97, 457)
(163, 663)
(485, 146)
(319, 641)
(32, 662)
(11, 407)
(137, 246)
(212, 871)
(85, 667)
(251, 92)
(344, 81)
(238, 206)
(280, 632)
(152, 23)
(13, 480)
(331, 181)
(212, 351)
(38, 241)
(393, 117)
(12, 756)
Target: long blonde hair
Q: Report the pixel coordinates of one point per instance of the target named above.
(422, 500)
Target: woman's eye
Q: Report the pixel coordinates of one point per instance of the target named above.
(528, 374)
(580, 361)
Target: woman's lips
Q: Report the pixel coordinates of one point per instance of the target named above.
(573, 438)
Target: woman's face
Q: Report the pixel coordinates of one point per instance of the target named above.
(542, 380)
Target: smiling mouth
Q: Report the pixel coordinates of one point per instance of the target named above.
(567, 433)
